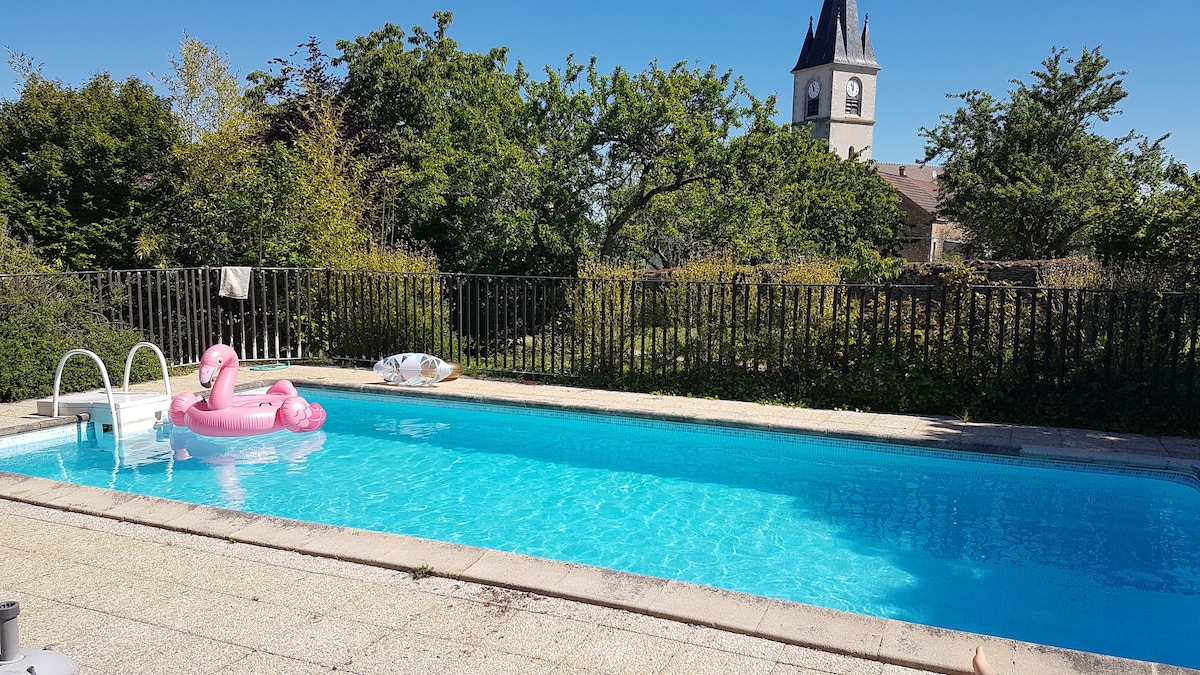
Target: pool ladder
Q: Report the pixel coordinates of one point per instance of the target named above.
(122, 412)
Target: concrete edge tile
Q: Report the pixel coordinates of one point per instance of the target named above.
(608, 588)
(714, 607)
(511, 570)
(1137, 460)
(846, 633)
(36, 490)
(1191, 466)
(12, 481)
(90, 500)
(941, 650)
(210, 521)
(45, 423)
(147, 510)
(1083, 455)
(440, 558)
(351, 545)
(1033, 659)
(273, 532)
(1108, 458)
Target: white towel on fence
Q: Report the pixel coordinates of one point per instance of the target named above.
(235, 282)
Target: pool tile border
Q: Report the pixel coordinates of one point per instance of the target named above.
(883, 640)
(986, 439)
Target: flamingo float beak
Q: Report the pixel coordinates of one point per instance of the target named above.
(206, 376)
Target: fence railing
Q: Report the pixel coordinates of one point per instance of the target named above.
(996, 335)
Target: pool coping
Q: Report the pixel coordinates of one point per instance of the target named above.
(883, 640)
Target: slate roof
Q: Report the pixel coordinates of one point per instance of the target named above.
(837, 38)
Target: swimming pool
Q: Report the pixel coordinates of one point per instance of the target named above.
(1104, 560)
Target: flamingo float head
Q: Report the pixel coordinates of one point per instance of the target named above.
(214, 359)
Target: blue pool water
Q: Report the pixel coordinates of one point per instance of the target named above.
(1103, 560)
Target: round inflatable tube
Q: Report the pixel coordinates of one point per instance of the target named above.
(243, 418)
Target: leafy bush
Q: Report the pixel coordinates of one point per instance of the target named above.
(866, 265)
(1129, 275)
(41, 318)
(386, 260)
(882, 384)
(1062, 357)
(387, 301)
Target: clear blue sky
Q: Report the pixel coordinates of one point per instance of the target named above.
(927, 47)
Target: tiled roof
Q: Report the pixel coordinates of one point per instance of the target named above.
(914, 171)
(919, 183)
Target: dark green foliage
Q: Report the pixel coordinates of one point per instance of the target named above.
(443, 129)
(508, 173)
(41, 318)
(887, 385)
(1029, 178)
(1124, 361)
(1158, 230)
(87, 172)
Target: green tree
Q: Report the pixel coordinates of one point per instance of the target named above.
(205, 93)
(1157, 230)
(88, 170)
(784, 196)
(329, 192)
(656, 133)
(441, 129)
(272, 176)
(507, 172)
(225, 191)
(1029, 177)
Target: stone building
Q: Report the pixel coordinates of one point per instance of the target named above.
(927, 237)
(833, 89)
(833, 83)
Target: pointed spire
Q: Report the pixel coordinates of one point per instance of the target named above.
(837, 38)
(806, 51)
(868, 48)
(849, 11)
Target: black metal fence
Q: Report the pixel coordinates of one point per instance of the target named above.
(995, 335)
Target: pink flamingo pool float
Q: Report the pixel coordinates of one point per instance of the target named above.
(225, 414)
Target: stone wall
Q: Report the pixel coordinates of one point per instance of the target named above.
(1008, 272)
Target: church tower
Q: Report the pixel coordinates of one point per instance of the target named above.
(834, 81)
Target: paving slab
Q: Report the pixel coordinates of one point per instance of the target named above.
(412, 653)
(688, 662)
(257, 663)
(615, 652)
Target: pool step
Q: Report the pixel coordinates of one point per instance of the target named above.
(118, 413)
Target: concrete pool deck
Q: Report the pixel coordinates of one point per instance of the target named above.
(126, 583)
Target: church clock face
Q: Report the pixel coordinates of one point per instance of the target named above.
(814, 89)
(853, 88)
